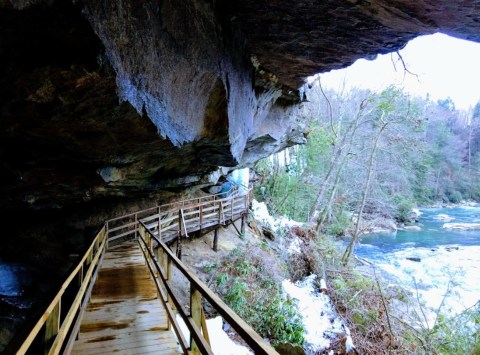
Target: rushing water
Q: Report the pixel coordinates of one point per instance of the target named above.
(446, 263)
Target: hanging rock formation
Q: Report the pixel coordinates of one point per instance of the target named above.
(103, 101)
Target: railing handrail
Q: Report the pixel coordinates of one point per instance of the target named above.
(233, 193)
(253, 339)
(59, 325)
(157, 212)
(61, 329)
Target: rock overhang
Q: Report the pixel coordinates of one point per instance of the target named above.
(109, 99)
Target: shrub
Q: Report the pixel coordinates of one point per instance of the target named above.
(338, 228)
(250, 285)
(403, 208)
(455, 196)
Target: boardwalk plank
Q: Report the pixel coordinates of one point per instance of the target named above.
(124, 315)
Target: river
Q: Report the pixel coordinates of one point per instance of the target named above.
(446, 263)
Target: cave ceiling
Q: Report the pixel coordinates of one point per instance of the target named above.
(116, 99)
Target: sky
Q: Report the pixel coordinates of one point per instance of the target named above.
(445, 67)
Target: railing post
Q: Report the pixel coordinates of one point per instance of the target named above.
(80, 276)
(168, 275)
(89, 257)
(244, 222)
(97, 244)
(215, 240)
(201, 219)
(136, 226)
(179, 239)
(220, 207)
(148, 239)
(196, 314)
(159, 225)
(52, 325)
(107, 231)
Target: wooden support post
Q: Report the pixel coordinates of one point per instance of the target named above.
(244, 222)
(97, 244)
(89, 257)
(168, 273)
(215, 240)
(201, 219)
(159, 230)
(80, 276)
(52, 325)
(179, 239)
(196, 314)
(136, 226)
(204, 328)
(239, 233)
(220, 208)
(148, 240)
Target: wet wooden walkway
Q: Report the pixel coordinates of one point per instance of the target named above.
(124, 315)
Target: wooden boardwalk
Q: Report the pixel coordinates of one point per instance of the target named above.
(124, 315)
(120, 299)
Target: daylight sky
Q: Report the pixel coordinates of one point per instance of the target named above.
(446, 67)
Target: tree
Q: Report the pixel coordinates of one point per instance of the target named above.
(385, 115)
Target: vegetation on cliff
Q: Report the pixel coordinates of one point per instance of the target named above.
(373, 156)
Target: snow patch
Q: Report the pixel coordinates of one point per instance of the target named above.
(294, 247)
(261, 214)
(320, 320)
(219, 341)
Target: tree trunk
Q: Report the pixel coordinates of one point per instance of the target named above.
(349, 251)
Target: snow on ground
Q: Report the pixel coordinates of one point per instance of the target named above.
(320, 320)
(261, 214)
(219, 341)
(294, 247)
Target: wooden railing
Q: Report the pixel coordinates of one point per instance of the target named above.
(175, 220)
(159, 261)
(57, 327)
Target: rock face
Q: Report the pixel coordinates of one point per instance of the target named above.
(294, 40)
(101, 101)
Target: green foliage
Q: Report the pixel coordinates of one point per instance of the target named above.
(403, 208)
(455, 196)
(210, 266)
(222, 279)
(236, 295)
(340, 226)
(249, 287)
